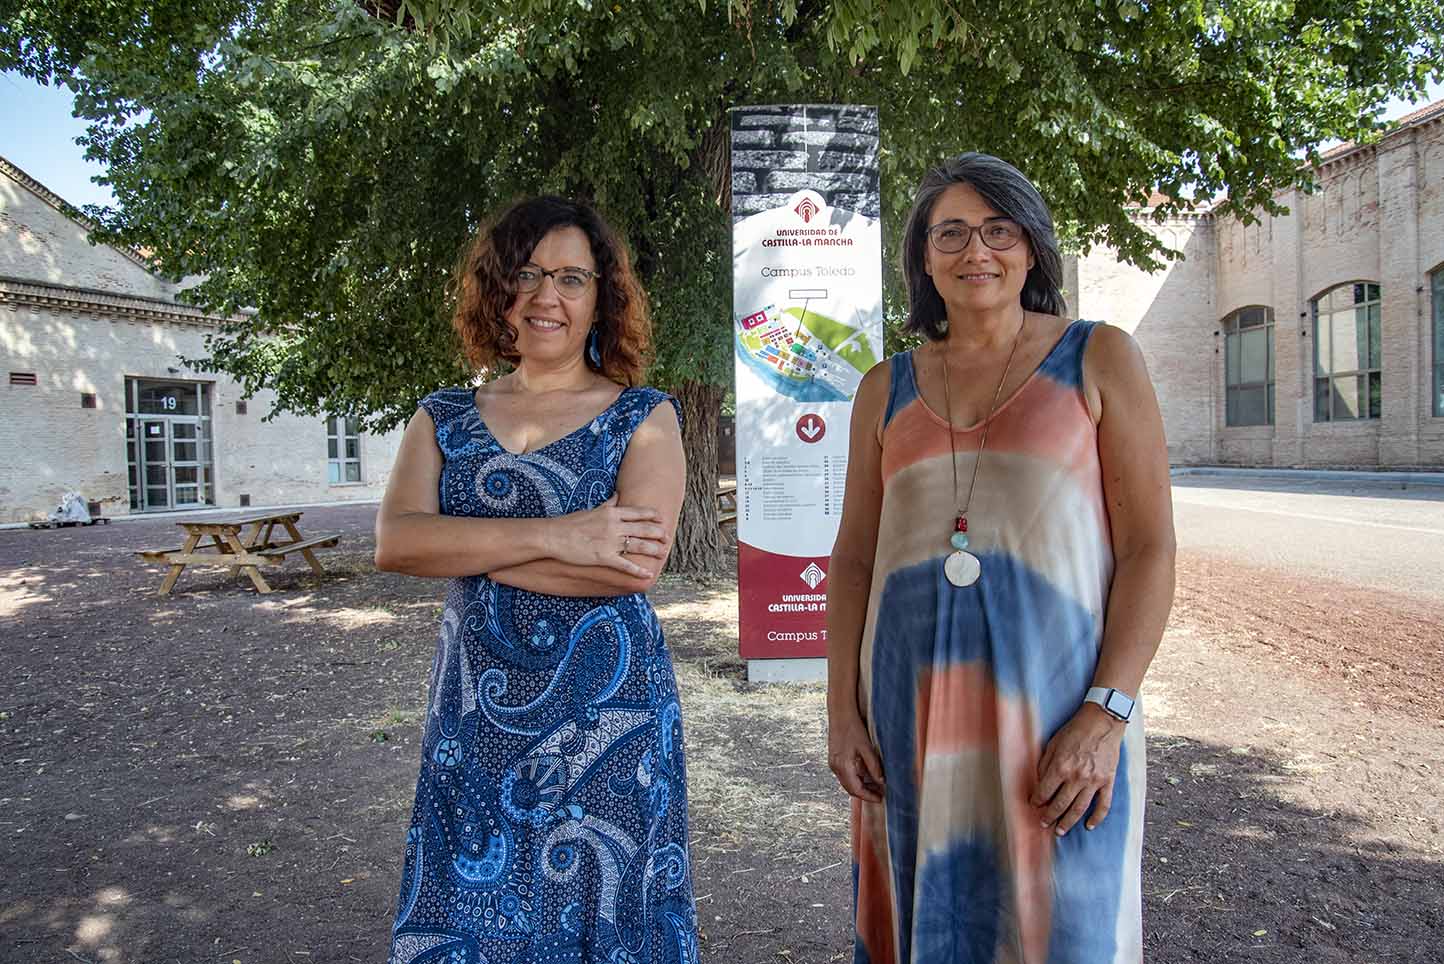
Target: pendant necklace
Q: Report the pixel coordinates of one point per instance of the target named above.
(961, 567)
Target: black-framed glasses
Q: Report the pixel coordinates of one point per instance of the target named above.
(954, 235)
(570, 282)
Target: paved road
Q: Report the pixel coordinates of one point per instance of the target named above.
(1372, 535)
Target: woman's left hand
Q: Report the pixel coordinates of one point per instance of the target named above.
(1077, 767)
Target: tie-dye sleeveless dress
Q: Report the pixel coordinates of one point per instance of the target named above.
(964, 686)
(550, 823)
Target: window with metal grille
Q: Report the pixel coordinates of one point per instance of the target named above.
(1249, 366)
(1436, 296)
(88, 400)
(343, 450)
(1348, 383)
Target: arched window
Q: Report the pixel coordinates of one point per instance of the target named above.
(1436, 298)
(1249, 366)
(1347, 381)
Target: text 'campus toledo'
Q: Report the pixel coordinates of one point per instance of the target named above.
(814, 271)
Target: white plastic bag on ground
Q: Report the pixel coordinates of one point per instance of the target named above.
(73, 508)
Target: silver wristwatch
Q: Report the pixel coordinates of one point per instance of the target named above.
(1115, 703)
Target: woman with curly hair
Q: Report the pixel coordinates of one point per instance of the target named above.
(550, 822)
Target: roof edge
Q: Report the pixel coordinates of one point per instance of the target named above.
(33, 185)
(1428, 114)
(41, 294)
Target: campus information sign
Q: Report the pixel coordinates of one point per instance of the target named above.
(807, 324)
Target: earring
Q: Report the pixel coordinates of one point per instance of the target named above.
(594, 349)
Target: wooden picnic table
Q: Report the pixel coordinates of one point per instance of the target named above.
(726, 503)
(244, 544)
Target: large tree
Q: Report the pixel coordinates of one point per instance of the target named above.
(320, 163)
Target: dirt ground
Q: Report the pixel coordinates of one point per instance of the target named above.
(220, 776)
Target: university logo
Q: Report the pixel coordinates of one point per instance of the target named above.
(812, 575)
(806, 209)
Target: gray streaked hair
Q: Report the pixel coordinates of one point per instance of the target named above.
(1008, 191)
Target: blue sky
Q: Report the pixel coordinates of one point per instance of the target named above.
(38, 133)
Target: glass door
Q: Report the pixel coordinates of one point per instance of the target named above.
(186, 468)
(155, 463)
(168, 444)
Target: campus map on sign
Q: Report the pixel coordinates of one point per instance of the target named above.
(803, 353)
(804, 292)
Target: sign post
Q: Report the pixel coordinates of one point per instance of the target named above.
(807, 311)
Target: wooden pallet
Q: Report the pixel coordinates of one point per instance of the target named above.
(95, 521)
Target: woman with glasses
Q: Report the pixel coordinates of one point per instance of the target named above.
(1000, 582)
(550, 821)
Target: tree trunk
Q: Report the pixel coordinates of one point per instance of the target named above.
(699, 548)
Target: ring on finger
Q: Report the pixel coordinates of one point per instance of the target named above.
(626, 544)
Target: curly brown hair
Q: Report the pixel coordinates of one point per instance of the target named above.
(484, 290)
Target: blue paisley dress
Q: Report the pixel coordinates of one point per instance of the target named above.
(550, 824)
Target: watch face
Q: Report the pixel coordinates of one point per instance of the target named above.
(1119, 705)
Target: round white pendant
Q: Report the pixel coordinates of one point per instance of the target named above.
(962, 568)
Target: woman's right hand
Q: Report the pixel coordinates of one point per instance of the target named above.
(611, 535)
(853, 758)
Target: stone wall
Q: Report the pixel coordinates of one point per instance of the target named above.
(81, 319)
(1377, 216)
(58, 445)
(1430, 200)
(1170, 315)
(39, 242)
(776, 152)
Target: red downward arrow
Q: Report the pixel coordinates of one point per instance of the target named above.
(810, 428)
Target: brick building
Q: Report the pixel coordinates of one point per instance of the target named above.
(98, 399)
(1314, 338)
(1311, 339)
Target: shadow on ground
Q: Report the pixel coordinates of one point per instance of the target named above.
(1236, 871)
(220, 776)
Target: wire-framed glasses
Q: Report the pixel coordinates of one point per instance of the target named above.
(570, 282)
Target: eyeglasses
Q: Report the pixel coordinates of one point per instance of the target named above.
(571, 282)
(950, 237)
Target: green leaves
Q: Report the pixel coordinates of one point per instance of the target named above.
(322, 166)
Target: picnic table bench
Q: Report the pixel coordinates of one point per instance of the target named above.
(242, 544)
(726, 503)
